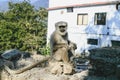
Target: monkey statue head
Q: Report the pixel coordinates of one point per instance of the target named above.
(61, 27)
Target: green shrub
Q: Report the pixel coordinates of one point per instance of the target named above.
(45, 50)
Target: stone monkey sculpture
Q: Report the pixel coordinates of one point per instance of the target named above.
(59, 43)
(62, 49)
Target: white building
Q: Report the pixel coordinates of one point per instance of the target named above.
(91, 23)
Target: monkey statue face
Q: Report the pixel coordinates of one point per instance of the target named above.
(61, 27)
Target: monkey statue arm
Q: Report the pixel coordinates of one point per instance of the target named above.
(57, 42)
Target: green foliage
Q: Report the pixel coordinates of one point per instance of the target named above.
(22, 27)
(45, 50)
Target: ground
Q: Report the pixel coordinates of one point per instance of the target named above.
(43, 73)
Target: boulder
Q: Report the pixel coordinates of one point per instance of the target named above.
(11, 54)
(14, 54)
(105, 60)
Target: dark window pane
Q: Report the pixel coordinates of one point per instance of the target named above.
(115, 43)
(92, 41)
(100, 18)
(70, 9)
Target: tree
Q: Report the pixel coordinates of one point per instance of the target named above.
(22, 27)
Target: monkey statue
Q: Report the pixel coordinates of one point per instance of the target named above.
(59, 43)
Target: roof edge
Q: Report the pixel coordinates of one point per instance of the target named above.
(84, 5)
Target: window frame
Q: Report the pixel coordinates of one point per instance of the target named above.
(100, 20)
(82, 20)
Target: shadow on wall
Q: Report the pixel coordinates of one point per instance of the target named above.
(109, 30)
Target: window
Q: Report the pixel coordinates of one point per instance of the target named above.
(70, 9)
(115, 43)
(100, 18)
(118, 6)
(82, 19)
(92, 41)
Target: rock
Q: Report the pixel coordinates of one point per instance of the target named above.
(105, 60)
(57, 69)
(11, 54)
(74, 77)
(80, 76)
(60, 67)
(24, 62)
(14, 55)
(118, 71)
(67, 68)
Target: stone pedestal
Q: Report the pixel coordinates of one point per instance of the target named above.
(60, 68)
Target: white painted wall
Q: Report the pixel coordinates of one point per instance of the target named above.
(77, 33)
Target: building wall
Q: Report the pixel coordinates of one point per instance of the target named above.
(80, 33)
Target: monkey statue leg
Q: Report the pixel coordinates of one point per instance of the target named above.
(57, 55)
(65, 55)
(61, 55)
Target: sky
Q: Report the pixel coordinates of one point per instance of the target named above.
(3, 0)
(32, 1)
(36, 3)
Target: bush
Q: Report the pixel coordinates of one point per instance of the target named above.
(45, 50)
